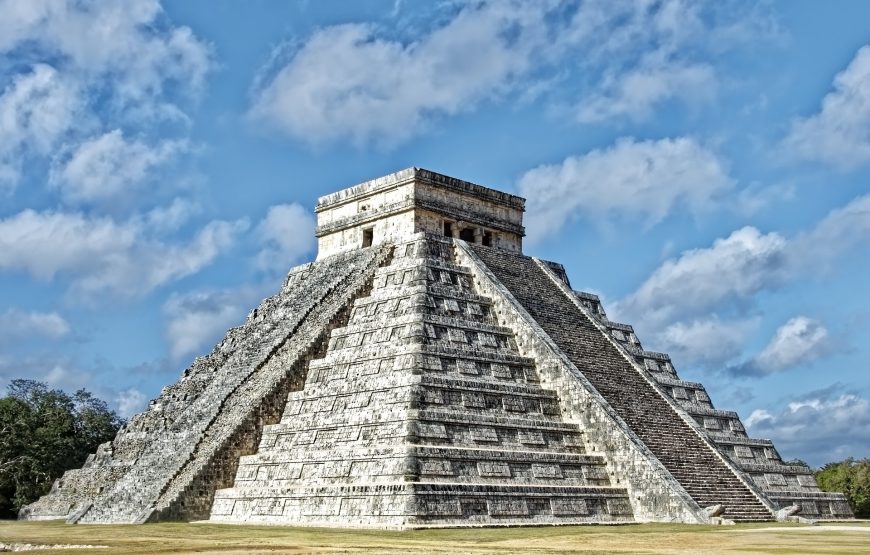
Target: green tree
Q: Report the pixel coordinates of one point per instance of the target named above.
(852, 477)
(44, 432)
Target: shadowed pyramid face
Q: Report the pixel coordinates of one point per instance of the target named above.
(395, 207)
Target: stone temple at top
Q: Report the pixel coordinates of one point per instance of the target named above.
(423, 372)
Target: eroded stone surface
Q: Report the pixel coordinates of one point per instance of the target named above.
(422, 412)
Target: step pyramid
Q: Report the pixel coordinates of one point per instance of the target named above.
(424, 372)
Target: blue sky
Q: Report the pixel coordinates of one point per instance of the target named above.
(703, 167)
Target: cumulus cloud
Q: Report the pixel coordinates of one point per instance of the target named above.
(129, 402)
(359, 82)
(128, 43)
(170, 217)
(105, 256)
(820, 427)
(197, 319)
(756, 196)
(20, 324)
(737, 267)
(647, 52)
(66, 377)
(36, 110)
(839, 134)
(56, 371)
(287, 233)
(706, 342)
(110, 166)
(348, 81)
(86, 66)
(642, 179)
(840, 231)
(722, 280)
(798, 341)
(700, 280)
(636, 93)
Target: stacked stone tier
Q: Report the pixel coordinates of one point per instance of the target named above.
(695, 463)
(422, 413)
(421, 504)
(167, 461)
(757, 458)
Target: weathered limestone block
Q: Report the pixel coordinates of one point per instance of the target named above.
(422, 387)
(162, 452)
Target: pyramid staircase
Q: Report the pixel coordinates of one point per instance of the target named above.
(167, 461)
(696, 464)
(422, 413)
(787, 485)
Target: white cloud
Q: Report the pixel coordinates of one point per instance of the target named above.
(635, 94)
(724, 278)
(821, 427)
(105, 256)
(92, 65)
(840, 231)
(19, 324)
(66, 378)
(127, 43)
(170, 217)
(200, 318)
(360, 82)
(649, 53)
(701, 280)
(839, 134)
(36, 110)
(799, 341)
(129, 402)
(197, 319)
(705, 342)
(347, 81)
(645, 179)
(59, 372)
(110, 166)
(756, 197)
(287, 233)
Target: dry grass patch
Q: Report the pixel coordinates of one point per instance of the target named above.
(639, 538)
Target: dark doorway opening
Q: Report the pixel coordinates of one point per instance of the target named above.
(368, 237)
(487, 239)
(448, 229)
(467, 234)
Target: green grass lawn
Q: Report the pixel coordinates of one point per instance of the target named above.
(636, 538)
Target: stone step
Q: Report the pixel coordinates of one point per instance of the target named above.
(679, 448)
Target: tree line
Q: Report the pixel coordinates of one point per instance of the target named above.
(44, 432)
(852, 477)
